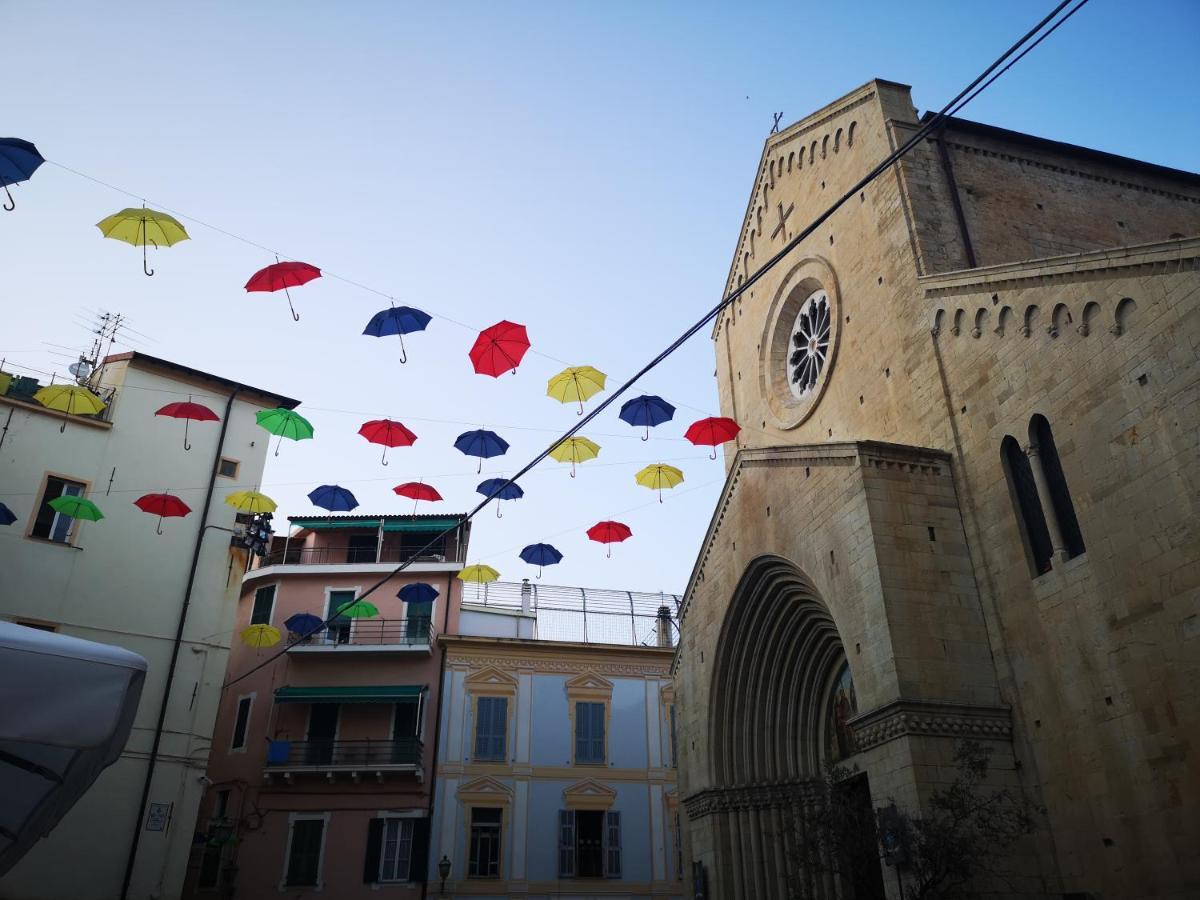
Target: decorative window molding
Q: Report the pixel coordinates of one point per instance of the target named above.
(485, 791)
(589, 794)
(491, 682)
(589, 688)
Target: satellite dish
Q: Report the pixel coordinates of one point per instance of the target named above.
(81, 369)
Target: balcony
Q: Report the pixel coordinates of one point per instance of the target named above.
(370, 758)
(412, 635)
(342, 560)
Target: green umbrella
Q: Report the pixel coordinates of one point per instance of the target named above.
(76, 508)
(358, 609)
(286, 424)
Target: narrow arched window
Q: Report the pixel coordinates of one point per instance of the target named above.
(1056, 482)
(1023, 490)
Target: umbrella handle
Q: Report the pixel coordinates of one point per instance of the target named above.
(646, 436)
(186, 445)
(158, 529)
(145, 265)
(383, 459)
(660, 495)
(403, 352)
(499, 515)
(11, 204)
(278, 444)
(295, 315)
(580, 413)
(608, 551)
(480, 468)
(713, 455)
(539, 574)
(572, 468)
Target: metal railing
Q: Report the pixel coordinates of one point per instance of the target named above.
(318, 556)
(367, 754)
(415, 631)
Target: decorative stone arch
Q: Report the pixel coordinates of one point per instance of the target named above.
(1031, 316)
(959, 318)
(981, 318)
(1123, 316)
(1091, 312)
(1060, 319)
(939, 317)
(850, 134)
(1003, 319)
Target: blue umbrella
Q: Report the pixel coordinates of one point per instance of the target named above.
(303, 624)
(484, 444)
(398, 320)
(333, 498)
(7, 516)
(500, 489)
(647, 410)
(18, 161)
(418, 592)
(541, 555)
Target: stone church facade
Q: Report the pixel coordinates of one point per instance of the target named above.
(963, 504)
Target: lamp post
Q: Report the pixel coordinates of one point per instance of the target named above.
(444, 871)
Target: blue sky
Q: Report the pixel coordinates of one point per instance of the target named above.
(580, 168)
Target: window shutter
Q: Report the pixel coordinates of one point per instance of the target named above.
(418, 865)
(499, 726)
(613, 841)
(598, 732)
(582, 727)
(374, 851)
(566, 843)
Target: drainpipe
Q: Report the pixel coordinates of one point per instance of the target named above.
(437, 731)
(183, 609)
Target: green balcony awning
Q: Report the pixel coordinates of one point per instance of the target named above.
(431, 525)
(375, 693)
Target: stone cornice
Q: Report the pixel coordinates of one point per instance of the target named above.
(767, 795)
(935, 718)
(647, 668)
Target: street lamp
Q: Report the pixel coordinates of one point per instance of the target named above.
(444, 871)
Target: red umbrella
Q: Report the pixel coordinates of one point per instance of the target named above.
(281, 276)
(499, 348)
(712, 431)
(388, 433)
(417, 491)
(609, 533)
(162, 505)
(188, 411)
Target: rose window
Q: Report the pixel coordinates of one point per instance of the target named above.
(810, 344)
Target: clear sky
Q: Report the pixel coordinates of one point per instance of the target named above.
(580, 168)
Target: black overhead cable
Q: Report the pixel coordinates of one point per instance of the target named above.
(960, 100)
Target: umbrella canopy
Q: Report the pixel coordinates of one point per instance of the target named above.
(417, 490)
(418, 592)
(387, 433)
(162, 505)
(251, 502)
(18, 161)
(286, 423)
(333, 498)
(189, 412)
(7, 516)
(303, 623)
(541, 555)
(283, 275)
(499, 348)
(481, 443)
(259, 636)
(575, 450)
(76, 508)
(576, 384)
(479, 574)
(358, 609)
(397, 320)
(609, 533)
(659, 476)
(70, 399)
(499, 489)
(647, 410)
(141, 227)
(712, 431)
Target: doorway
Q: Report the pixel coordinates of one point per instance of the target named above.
(859, 843)
(589, 843)
(322, 731)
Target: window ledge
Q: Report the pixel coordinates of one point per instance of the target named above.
(51, 543)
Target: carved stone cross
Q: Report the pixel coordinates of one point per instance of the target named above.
(783, 216)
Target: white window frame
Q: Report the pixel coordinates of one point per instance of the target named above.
(329, 590)
(72, 528)
(410, 821)
(293, 818)
(274, 601)
(249, 714)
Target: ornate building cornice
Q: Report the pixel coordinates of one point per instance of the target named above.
(547, 665)
(936, 718)
(767, 795)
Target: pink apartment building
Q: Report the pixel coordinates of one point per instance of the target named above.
(321, 761)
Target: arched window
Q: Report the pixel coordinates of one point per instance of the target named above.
(841, 706)
(1056, 482)
(1023, 490)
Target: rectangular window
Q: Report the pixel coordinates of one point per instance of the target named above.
(221, 807)
(304, 853)
(589, 843)
(397, 849)
(227, 468)
(51, 525)
(210, 865)
(339, 629)
(491, 728)
(264, 605)
(484, 859)
(362, 548)
(241, 723)
(589, 733)
(674, 745)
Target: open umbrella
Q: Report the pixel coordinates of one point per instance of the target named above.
(18, 161)
(659, 476)
(499, 489)
(398, 320)
(286, 423)
(418, 592)
(283, 275)
(358, 609)
(416, 490)
(609, 533)
(499, 348)
(189, 412)
(646, 410)
(575, 450)
(712, 431)
(259, 636)
(541, 555)
(140, 227)
(162, 505)
(388, 433)
(481, 443)
(478, 574)
(333, 498)
(303, 624)
(7, 516)
(69, 399)
(576, 384)
(251, 502)
(76, 508)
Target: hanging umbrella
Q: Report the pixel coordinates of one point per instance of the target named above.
(500, 489)
(388, 433)
(18, 161)
(398, 320)
(303, 624)
(333, 498)
(647, 410)
(481, 443)
(251, 502)
(712, 431)
(541, 555)
(609, 533)
(575, 450)
(659, 476)
(416, 490)
(576, 384)
(76, 508)
(358, 609)
(478, 574)
(189, 412)
(259, 636)
(69, 399)
(162, 505)
(7, 516)
(499, 348)
(283, 275)
(286, 423)
(418, 592)
(141, 227)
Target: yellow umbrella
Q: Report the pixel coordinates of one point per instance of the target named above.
(260, 636)
(575, 450)
(251, 502)
(659, 476)
(478, 574)
(141, 227)
(70, 399)
(576, 384)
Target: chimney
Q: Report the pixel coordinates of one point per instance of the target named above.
(664, 627)
(526, 597)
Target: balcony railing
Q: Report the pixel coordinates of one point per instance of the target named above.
(415, 631)
(340, 556)
(348, 755)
